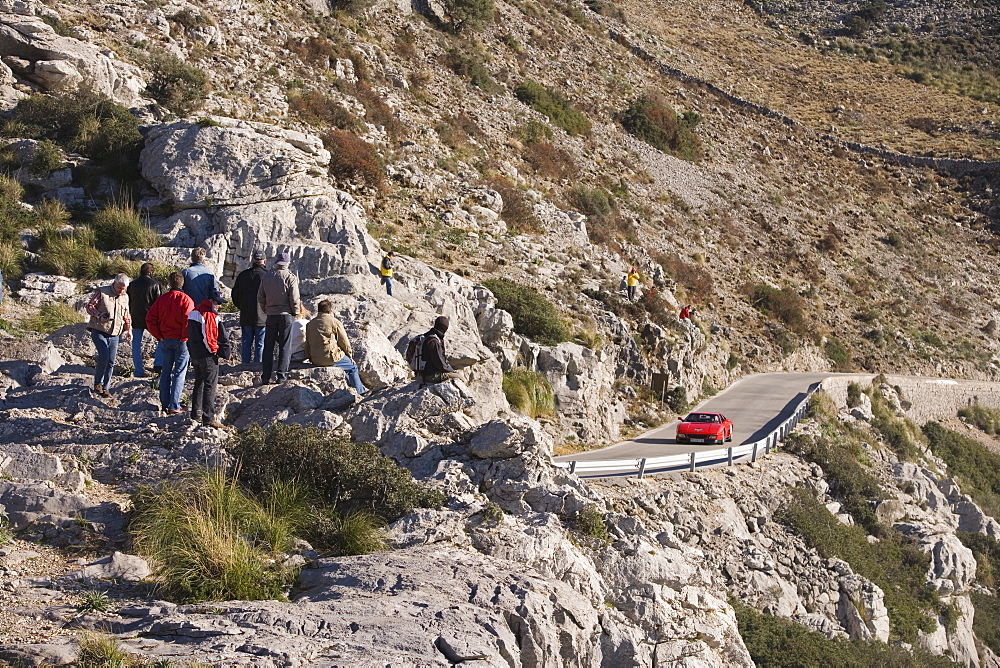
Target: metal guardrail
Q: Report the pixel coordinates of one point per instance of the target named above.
(690, 461)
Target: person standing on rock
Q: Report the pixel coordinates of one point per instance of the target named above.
(199, 281)
(387, 271)
(631, 281)
(279, 297)
(327, 344)
(109, 322)
(436, 367)
(252, 318)
(167, 322)
(207, 343)
(142, 292)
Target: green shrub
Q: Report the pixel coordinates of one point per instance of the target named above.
(654, 122)
(984, 418)
(552, 104)
(82, 122)
(592, 201)
(207, 539)
(120, 226)
(51, 317)
(343, 474)
(676, 399)
(986, 623)
(353, 158)
(470, 65)
(47, 158)
(358, 532)
(976, 467)
(590, 522)
(464, 15)
(529, 392)
(175, 84)
(897, 566)
(783, 304)
(836, 351)
(774, 641)
(534, 315)
(548, 160)
(853, 395)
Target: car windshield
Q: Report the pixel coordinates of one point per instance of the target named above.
(701, 417)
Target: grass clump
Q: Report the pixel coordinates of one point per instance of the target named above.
(6, 535)
(774, 641)
(893, 563)
(534, 315)
(352, 158)
(175, 84)
(650, 119)
(208, 539)
(51, 317)
(358, 532)
(529, 392)
(982, 417)
(70, 253)
(838, 354)
(120, 226)
(900, 434)
(552, 104)
(98, 650)
(783, 304)
(342, 474)
(976, 467)
(590, 522)
(94, 601)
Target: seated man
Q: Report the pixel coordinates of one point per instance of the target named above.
(327, 344)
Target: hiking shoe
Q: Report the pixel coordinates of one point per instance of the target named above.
(215, 424)
(101, 392)
(157, 370)
(173, 411)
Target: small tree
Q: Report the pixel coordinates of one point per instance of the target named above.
(468, 14)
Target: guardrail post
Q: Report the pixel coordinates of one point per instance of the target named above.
(693, 465)
(767, 445)
(753, 456)
(572, 467)
(642, 467)
(730, 455)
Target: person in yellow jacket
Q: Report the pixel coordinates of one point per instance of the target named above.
(631, 280)
(386, 270)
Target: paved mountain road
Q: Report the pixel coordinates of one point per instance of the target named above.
(755, 404)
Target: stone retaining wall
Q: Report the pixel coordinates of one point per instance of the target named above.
(924, 398)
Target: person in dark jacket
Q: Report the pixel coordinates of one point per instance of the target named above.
(279, 297)
(252, 317)
(207, 343)
(387, 271)
(436, 366)
(167, 322)
(142, 292)
(199, 281)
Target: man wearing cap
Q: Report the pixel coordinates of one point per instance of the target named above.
(207, 342)
(436, 367)
(387, 271)
(252, 317)
(278, 296)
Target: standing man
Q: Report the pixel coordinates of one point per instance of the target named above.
(142, 292)
(436, 366)
(386, 270)
(109, 321)
(252, 318)
(279, 297)
(207, 342)
(199, 281)
(327, 344)
(631, 281)
(167, 322)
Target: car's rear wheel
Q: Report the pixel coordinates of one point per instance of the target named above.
(729, 437)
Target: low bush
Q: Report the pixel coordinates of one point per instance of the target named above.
(899, 433)
(976, 467)
(837, 353)
(175, 84)
(48, 158)
(548, 160)
(897, 566)
(71, 253)
(775, 641)
(529, 392)
(377, 112)
(984, 418)
(352, 158)
(853, 395)
(51, 317)
(534, 315)
(98, 650)
(466, 15)
(470, 66)
(692, 277)
(119, 226)
(518, 209)
(592, 201)
(315, 107)
(676, 399)
(207, 539)
(783, 304)
(552, 104)
(590, 522)
(650, 119)
(345, 475)
(986, 623)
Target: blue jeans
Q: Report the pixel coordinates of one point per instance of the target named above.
(351, 369)
(175, 364)
(388, 284)
(251, 343)
(277, 332)
(139, 370)
(107, 353)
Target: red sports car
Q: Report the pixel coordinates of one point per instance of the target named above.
(705, 428)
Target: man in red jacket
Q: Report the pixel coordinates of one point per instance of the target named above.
(167, 321)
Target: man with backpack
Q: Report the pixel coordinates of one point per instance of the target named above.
(252, 317)
(426, 355)
(327, 344)
(207, 343)
(387, 272)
